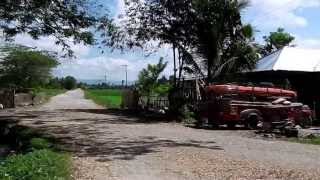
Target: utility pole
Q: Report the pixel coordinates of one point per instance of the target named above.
(126, 69)
(105, 78)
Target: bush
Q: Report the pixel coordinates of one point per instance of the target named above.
(70, 83)
(188, 117)
(40, 143)
(37, 165)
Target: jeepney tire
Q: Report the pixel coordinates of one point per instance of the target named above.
(213, 123)
(252, 122)
(231, 125)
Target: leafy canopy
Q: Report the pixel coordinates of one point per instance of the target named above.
(69, 83)
(204, 32)
(277, 40)
(64, 19)
(25, 68)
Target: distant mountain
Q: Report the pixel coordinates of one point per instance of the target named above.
(99, 81)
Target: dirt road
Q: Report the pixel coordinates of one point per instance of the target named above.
(111, 145)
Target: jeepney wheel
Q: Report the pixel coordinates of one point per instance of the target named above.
(212, 123)
(231, 125)
(252, 122)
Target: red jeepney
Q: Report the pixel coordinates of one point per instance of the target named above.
(249, 105)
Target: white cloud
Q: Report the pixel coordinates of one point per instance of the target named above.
(120, 7)
(280, 13)
(98, 67)
(310, 43)
(48, 43)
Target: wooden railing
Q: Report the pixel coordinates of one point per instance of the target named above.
(155, 102)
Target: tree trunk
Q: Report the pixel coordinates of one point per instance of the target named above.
(210, 67)
(180, 68)
(212, 60)
(174, 66)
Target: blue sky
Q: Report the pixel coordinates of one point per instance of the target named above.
(299, 17)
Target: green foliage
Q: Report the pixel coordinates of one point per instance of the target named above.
(162, 89)
(24, 68)
(241, 57)
(81, 85)
(188, 117)
(69, 83)
(55, 83)
(277, 40)
(248, 31)
(40, 143)
(217, 34)
(34, 158)
(203, 30)
(110, 98)
(148, 77)
(36, 165)
(65, 20)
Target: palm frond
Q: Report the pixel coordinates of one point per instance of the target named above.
(193, 66)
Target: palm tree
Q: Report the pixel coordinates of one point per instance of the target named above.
(218, 33)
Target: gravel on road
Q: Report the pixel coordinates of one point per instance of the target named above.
(113, 145)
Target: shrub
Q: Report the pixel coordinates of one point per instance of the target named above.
(188, 117)
(70, 83)
(37, 165)
(40, 143)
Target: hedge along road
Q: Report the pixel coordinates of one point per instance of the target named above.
(113, 145)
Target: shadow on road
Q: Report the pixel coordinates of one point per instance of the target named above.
(129, 116)
(87, 135)
(86, 141)
(125, 148)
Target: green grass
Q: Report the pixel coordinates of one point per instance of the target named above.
(40, 143)
(35, 159)
(36, 165)
(312, 140)
(110, 98)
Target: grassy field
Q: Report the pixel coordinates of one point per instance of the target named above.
(110, 98)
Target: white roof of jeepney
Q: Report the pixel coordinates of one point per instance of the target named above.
(291, 59)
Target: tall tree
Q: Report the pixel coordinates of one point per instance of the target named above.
(63, 19)
(276, 40)
(156, 21)
(24, 68)
(198, 29)
(242, 54)
(218, 27)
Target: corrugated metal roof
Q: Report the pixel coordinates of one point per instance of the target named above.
(291, 59)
